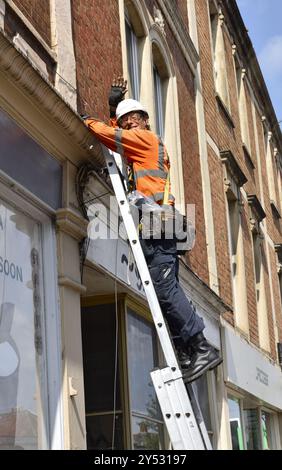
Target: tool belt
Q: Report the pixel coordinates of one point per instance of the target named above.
(168, 224)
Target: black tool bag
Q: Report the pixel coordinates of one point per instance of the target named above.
(168, 223)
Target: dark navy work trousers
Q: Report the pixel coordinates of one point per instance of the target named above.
(162, 260)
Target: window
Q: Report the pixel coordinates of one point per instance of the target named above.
(159, 113)
(267, 429)
(23, 380)
(237, 264)
(235, 420)
(234, 180)
(146, 417)
(161, 80)
(201, 390)
(278, 160)
(252, 429)
(219, 60)
(278, 249)
(104, 416)
(242, 103)
(259, 263)
(270, 171)
(132, 61)
(28, 163)
(280, 282)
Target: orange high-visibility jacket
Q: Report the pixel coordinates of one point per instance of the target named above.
(144, 150)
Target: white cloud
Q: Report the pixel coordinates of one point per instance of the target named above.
(270, 57)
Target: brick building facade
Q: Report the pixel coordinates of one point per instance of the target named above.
(79, 308)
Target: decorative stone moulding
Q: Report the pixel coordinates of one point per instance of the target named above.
(257, 214)
(233, 168)
(159, 20)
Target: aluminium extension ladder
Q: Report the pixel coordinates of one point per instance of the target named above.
(179, 405)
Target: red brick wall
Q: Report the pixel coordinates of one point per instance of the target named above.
(38, 13)
(96, 30)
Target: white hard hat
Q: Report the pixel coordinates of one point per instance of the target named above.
(127, 106)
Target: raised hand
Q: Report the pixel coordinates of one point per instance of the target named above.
(118, 90)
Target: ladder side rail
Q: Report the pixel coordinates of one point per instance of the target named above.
(177, 411)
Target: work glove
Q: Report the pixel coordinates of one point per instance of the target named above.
(117, 91)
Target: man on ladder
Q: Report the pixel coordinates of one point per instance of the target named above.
(140, 147)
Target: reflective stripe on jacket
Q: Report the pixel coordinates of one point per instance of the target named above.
(144, 149)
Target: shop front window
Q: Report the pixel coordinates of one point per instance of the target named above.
(235, 424)
(267, 431)
(104, 417)
(252, 429)
(201, 391)
(22, 368)
(146, 421)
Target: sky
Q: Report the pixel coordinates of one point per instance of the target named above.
(263, 20)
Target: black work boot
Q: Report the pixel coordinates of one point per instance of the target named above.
(204, 357)
(183, 352)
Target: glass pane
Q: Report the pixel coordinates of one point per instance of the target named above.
(158, 103)
(202, 394)
(21, 335)
(132, 61)
(252, 429)
(147, 434)
(266, 423)
(29, 164)
(103, 431)
(235, 424)
(141, 360)
(99, 353)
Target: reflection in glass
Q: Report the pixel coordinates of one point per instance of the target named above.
(101, 379)
(146, 434)
(202, 393)
(132, 61)
(99, 430)
(266, 430)
(28, 163)
(142, 358)
(235, 424)
(252, 429)
(21, 344)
